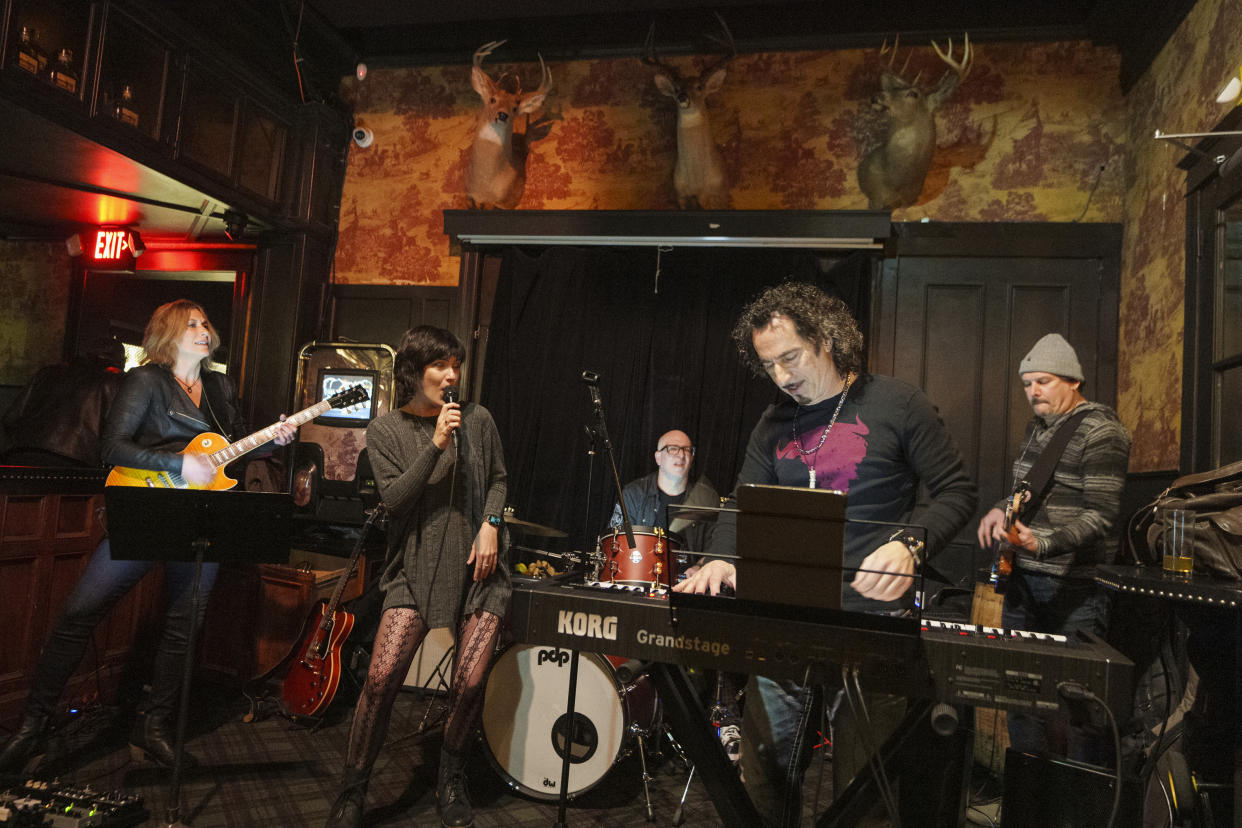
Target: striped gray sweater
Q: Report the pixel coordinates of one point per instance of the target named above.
(1078, 524)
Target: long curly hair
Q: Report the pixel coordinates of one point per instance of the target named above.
(421, 346)
(166, 326)
(820, 319)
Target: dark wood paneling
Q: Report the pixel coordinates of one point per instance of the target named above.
(383, 313)
(47, 540)
(958, 306)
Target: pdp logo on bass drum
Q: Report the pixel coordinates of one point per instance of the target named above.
(555, 656)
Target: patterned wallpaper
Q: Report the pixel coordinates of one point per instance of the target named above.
(34, 301)
(1024, 138)
(1177, 94)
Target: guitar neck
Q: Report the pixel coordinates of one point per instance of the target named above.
(232, 451)
(330, 609)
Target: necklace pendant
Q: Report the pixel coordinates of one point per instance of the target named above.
(810, 473)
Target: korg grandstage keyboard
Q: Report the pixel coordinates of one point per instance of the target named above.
(956, 663)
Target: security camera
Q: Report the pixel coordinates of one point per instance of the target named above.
(363, 137)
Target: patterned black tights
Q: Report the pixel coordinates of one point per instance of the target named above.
(401, 630)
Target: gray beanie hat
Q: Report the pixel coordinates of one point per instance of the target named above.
(1052, 355)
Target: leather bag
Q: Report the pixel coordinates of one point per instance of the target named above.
(1216, 499)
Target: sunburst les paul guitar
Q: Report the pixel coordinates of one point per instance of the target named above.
(220, 452)
(1002, 566)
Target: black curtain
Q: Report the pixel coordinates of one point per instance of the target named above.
(655, 326)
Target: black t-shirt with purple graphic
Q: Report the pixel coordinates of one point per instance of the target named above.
(888, 439)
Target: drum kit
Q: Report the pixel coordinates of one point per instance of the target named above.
(526, 730)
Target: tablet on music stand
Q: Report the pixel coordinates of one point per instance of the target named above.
(168, 524)
(790, 545)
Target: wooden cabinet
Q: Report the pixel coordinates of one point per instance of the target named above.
(257, 612)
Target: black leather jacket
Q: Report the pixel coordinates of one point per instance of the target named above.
(152, 418)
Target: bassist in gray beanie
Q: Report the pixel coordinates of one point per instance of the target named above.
(1068, 526)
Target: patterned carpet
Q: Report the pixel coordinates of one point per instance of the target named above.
(271, 772)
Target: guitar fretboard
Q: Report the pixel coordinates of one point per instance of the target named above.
(232, 451)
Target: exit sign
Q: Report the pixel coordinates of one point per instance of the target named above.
(111, 245)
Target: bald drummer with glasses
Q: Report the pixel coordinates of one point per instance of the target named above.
(647, 499)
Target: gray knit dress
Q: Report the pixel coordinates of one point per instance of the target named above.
(429, 542)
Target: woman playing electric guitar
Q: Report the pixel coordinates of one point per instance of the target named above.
(161, 407)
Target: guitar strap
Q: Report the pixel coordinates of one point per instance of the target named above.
(1040, 474)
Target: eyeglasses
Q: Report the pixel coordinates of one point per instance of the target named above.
(677, 451)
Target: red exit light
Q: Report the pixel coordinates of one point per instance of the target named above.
(111, 245)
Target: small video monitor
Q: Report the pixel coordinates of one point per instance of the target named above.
(334, 381)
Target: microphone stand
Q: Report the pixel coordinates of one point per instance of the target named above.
(586, 518)
(601, 428)
(570, 730)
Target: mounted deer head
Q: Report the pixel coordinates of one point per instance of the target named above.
(497, 174)
(698, 176)
(892, 174)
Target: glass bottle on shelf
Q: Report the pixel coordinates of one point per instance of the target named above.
(30, 56)
(121, 108)
(62, 75)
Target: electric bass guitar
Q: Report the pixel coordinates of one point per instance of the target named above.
(1002, 565)
(221, 452)
(313, 677)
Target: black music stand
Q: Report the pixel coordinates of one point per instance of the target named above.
(185, 525)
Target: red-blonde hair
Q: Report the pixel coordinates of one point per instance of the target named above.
(167, 325)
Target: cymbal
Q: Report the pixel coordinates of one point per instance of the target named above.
(529, 528)
(706, 514)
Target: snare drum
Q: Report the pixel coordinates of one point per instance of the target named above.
(524, 721)
(637, 566)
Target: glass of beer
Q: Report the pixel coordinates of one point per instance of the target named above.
(1179, 543)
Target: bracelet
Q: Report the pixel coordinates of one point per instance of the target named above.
(913, 545)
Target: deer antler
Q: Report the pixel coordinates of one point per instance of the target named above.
(485, 50)
(649, 54)
(727, 43)
(893, 57)
(962, 68)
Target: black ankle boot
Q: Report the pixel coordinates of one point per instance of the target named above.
(154, 738)
(347, 810)
(452, 801)
(29, 741)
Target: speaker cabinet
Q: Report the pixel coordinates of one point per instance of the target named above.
(1052, 793)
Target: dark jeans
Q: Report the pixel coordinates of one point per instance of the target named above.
(780, 725)
(1048, 604)
(105, 582)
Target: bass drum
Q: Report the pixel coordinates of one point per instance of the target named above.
(524, 721)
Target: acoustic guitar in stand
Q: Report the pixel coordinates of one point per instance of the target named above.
(221, 452)
(315, 674)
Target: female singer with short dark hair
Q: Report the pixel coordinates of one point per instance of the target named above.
(440, 470)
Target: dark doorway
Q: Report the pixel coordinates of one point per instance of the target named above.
(117, 304)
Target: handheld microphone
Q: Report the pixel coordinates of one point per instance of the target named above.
(450, 396)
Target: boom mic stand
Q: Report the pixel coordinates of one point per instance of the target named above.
(601, 428)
